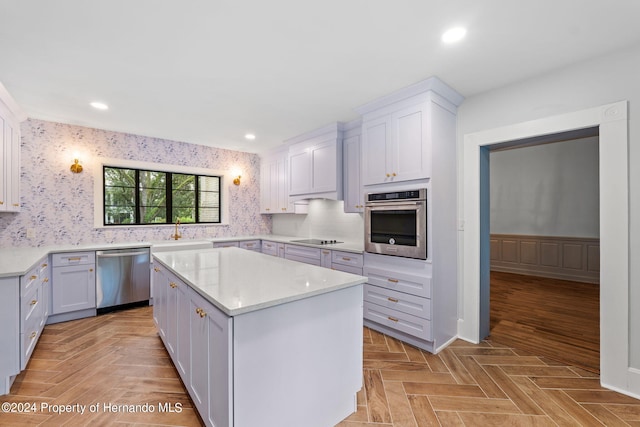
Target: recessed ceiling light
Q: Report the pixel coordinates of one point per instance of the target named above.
(453, 35)
(99, 105)
(250, 136)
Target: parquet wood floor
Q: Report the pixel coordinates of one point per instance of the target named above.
(549, 317)
(118, 358)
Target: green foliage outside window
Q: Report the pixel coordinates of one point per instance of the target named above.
(136, 197)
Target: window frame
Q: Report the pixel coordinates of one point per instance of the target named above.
(99, 207)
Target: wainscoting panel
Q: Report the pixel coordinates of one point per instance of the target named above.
(567, 258)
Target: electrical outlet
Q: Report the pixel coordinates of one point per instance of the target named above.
(108, 234)
(31, 233)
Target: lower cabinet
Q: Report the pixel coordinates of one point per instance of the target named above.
(197, 336)
(240, 371)
(34, 308)
(398, 299)
(73, 290)
(210, 333)
(24, 307)
(273, 248)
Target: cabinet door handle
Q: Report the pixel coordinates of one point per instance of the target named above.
(393, 280)
(16, 204)
(393, 174)
(33, 335)
(326, 252)
(393, 319)
(90, 270)
(344, 258)
(267, 209)
(173, 285)
(75, 258)
(33, 277)
(201, 312)
(34, 302)
(1, 202)
(392, 299)
(388, 175)
(45, 280)
(44, 265)
(156, 269)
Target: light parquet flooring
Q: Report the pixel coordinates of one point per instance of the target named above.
(118, 358)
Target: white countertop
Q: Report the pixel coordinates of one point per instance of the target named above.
(239, 281)
(17, 261)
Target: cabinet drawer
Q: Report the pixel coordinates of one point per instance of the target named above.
(347, 269)
(270, 248)
(31, 309)
(399, 281)
(225, 245)
(28, 341)
(73, 258)
(29, 280)
(252, 245)
(347, 258)
(398, 320)
(302, 251)
(304, 259)
(407, 303)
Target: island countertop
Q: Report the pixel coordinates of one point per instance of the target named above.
(238, 281)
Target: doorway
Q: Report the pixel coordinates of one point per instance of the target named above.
(544, 247)
(612, 122)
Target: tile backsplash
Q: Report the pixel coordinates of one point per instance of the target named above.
(326, 219)
(57, 206)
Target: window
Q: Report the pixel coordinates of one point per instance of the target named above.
(139, 197)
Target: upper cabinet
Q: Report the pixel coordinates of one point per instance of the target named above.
(353, 194)
(10, 118)
(274, 191)
(315, 164)
(399, 132)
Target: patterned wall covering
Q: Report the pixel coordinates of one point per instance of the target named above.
(58, 205)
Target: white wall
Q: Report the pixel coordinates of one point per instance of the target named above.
(326, 219)
(584, 85)
(546, 190)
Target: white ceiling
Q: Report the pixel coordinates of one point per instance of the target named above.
(209, 71)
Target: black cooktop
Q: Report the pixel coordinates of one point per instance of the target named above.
(316, 241)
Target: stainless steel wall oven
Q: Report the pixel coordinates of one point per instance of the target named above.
(396, 223)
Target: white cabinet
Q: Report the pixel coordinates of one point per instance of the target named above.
(274, 188)
(210, 375)
(74, 282)
(347, 262)
(315, 164)
(34, 300)
(9, 152)
(270, 248)
(353, 192)
(10, 337)
(251, 245)
(400, 132)
(160, 301)
(396, 147)
(325, 258)
(304, 254)
(225, 245)
(23, 314)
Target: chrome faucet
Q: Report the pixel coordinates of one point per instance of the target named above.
(176, 235)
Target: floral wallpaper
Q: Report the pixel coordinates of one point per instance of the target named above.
(57, 205)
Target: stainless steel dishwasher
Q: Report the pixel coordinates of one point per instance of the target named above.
(122, 278)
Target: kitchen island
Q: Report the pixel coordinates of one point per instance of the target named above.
(260, 340)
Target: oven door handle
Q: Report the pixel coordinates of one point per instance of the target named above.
(394, 204)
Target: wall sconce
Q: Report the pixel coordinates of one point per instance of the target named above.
(236, 173)
(76, 167)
